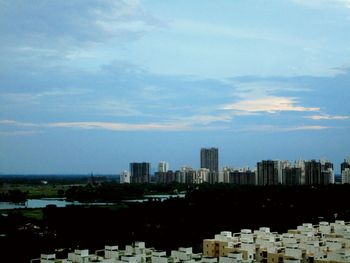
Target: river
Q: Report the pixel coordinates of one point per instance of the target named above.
(61, 202)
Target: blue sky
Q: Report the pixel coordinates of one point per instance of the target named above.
(90, 86)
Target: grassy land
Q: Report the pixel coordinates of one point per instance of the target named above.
(35, 213)
(38, 191)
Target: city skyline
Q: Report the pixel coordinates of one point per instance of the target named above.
(89, 86)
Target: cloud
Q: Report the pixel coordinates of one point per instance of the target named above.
(25, 97)
(219, 30)
(306, 127)
(113, 126)
(190, 123)
(91, 125)
(123, 68)
(206, 119)
(194, 123)
(275, 128)
(80, 21)
(327, 117)
(271, 104)
(18, 123)
(114, 108)
(51, 33)
(18, 133)
(252, 87)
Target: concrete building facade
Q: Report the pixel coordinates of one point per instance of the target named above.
(209, 158)
(140, 172)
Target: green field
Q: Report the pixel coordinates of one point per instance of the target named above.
(34, 214)
(37, 191)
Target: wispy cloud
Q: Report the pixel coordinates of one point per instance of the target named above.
(170, 123)
(194, 123)
(18, 133)
(177, 125)
(113, 108)
(206, 119)
(33, 96)
(270, 104)
(216, 30)
(276, 128)
(18, 123)
(306, 127)
(251, 88)
(113, 126)
(21, 128)
(85, 29)
(327, 117)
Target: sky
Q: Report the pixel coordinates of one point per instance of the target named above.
(90, 86)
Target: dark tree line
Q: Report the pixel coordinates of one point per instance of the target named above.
(206, 210)
(16, 196)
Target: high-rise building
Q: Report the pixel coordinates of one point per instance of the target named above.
(312, 172)
(345, 176)
(344, 165)
(225, 174)
(166, 177)
(124, 177)
(267, 172)
(242, 177)
(281, 165)
(140, 172)
(163, 167)
(301, 164)
(203, 176)
(319, 172)
(187, 175)
(292, 175)
(210, 159)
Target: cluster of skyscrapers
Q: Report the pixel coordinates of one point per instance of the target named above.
(267, 172)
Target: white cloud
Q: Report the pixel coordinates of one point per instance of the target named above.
(306, 127)
(114, 126)
(274, 128)
(327, 117)
(18, 123)
(172, 123)
(61, 31)
(263, 88)
(194, 123)
(205, 119)
(271, 104)
(218, 30)
(114, 108)
(23, 97)
(18, 133)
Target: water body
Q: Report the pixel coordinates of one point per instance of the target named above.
(61, 202)
(41, 203)
(155, 197)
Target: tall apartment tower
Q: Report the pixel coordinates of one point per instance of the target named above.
(163, 167)
(210, 159)
(140, 172)
(344, 165)
(124, 177)
(318, 172)
(312, 172)
(345, 171)
(292, 175)
(267, 172)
